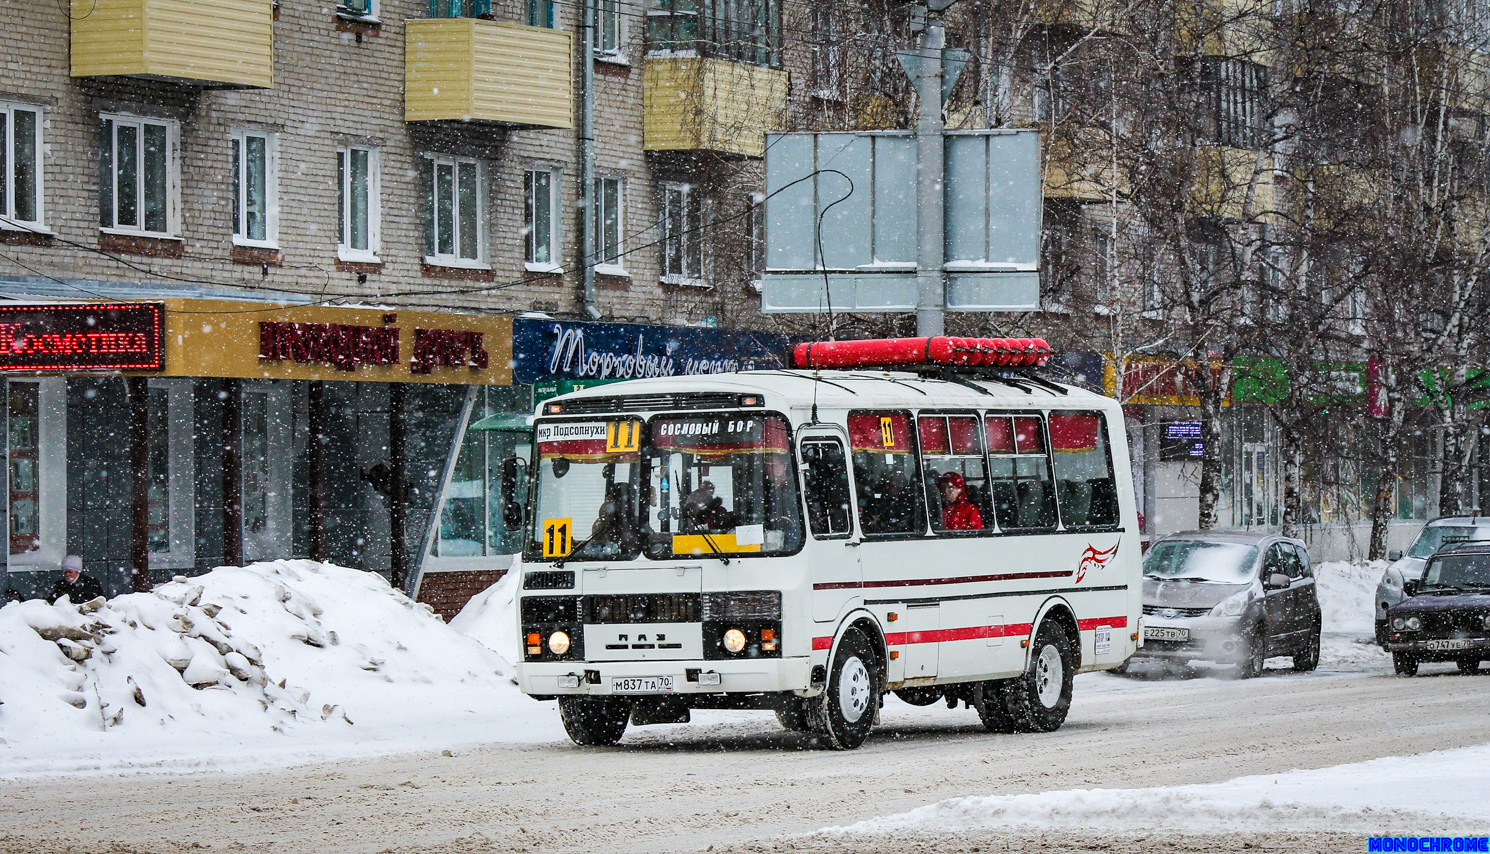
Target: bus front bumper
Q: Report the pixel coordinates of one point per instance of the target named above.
(664, 678)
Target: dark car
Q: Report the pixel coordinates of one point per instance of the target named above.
(1229, 598)
(1446, 616)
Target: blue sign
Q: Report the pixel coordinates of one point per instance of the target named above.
(547, 350)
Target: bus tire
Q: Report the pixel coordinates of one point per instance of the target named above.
(793, 716)
(594, 720)
(1039, 700)
(992, 706)
(844, 713)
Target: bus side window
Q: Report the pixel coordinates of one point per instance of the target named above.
(1019, 468)
(826, 473)
(1083, 469)
(886, 474)
(957, 497)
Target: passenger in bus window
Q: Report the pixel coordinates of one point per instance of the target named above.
(958, 514)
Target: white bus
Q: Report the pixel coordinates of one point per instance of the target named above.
(806, 541)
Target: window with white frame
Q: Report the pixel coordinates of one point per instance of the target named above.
(610, 30)
(610, 225)
(541, 219)
(681, 238)
(20, 166)
(139, 176)
(255, 188)
(357, 209)
(360, 9)
(542, 13)
(827, 52)
(455, 211)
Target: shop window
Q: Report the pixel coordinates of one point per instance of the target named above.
(169, 438)
(886, 474)
(455, 201)
(826, 473)
(1085, 487)
(957, 496)
(266, 456)
(20, 166)
(37, 433)
(541, 220)
(357, 204)
(255, 189)
(139, 179)
(1019, 469)
(496, 446)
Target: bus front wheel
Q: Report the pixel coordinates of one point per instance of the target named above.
(843, 714)
(594, 720)
(1039, 700)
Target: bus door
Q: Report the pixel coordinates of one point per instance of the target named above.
(834, 553)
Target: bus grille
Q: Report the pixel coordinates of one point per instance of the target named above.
(649, 403)
(644, 608)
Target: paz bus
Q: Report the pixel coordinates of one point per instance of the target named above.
(931, 517)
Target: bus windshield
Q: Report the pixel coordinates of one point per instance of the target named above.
(720, 484)
(587, 490)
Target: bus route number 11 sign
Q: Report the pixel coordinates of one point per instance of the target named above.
(557, 539)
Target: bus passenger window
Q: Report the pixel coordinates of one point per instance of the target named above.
(1083, 469)
(885, 473)
(956, 483)
(826, 473)
(1019, 472)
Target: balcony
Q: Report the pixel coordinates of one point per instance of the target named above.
(1079, 166)
(1232, 183)
(698, 104)
(1240, 29)
(469, 70)
(227, 45)
(1100, 15)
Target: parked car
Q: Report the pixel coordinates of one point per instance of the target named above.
(1409, 567)
(1230, 598)
(1446, 616)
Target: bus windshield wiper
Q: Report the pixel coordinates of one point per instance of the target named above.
(574, 549)
(717, 553)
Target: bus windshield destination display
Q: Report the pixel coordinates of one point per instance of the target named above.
(82, 337)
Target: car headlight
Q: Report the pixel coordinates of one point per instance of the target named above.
(558, 643)
(734, 640)
(1409, 624)
(1398, 623)
(1486, 621)
(1232, 605)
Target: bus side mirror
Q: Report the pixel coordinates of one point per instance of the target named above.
(1394, 555)
(514, 478)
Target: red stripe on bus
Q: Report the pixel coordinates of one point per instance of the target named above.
(1009, 630)
(917, 582)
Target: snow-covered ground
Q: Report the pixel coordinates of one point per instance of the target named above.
(285, 662)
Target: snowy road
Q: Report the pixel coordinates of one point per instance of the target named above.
(737, 782)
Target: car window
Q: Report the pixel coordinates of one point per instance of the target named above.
(1293, 566)
(1301, 557)
(1199, 560)
(1275, 561)
(1433, 536)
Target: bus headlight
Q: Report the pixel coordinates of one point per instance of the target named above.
(734, 640)
(558, 643)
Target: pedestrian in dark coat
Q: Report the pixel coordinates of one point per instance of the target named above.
(73, 584)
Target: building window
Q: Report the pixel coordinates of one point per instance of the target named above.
(742, 30)
(357, 209)
(1102, 266)
(455, 205)
(460, 9)
(37, 433)
(255, 188)
(171, 467)
(610, 224)
(827, 52)
(1049, 103)
(365, 10)
(139, 178)
(610, 33)
(20, 166)
(541, 219)
(1234, 93)
(542, 13)
(681, 235)
(755, 234)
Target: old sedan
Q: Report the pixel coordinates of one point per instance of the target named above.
(1446, 616)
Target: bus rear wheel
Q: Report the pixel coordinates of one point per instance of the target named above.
(594, 720)
(1039, 700)
(992, 705)
(844, 713)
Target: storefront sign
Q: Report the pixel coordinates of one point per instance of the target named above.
(81, 337)
(217, 338)
(547, 350)
(1150, 381)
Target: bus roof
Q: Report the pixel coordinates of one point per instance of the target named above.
(856, 389)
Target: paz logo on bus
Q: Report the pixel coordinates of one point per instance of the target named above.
(1091, 559)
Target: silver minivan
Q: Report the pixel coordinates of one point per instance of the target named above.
(1229, 598)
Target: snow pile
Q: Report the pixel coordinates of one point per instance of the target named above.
(491, 616)
(285, 654)
(1347, 595)
(1447, 783)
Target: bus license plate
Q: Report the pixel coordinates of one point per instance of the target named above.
(1448, 644)
(640, 684)
(1165, 634)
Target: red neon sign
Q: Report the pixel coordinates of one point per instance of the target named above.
(87, 337)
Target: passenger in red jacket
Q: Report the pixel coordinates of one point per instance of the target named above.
(958, 513)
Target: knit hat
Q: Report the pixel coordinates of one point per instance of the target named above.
(73, 562)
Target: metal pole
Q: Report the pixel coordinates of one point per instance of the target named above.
(930, 210)
(587, 161)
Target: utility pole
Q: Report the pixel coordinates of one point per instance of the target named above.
(929, 76)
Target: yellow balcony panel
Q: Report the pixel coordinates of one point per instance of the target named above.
(1333, 197)
(697, 104)
(1232, 183)
(228, 45)
(1101, 15)
(469, 70)
(1239, 29)
(1079, 166)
